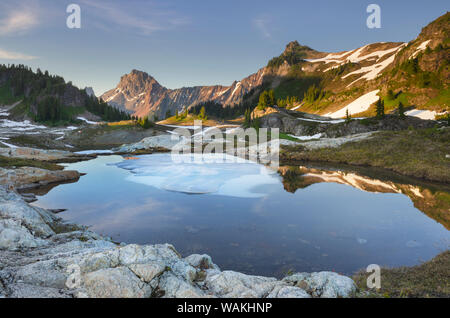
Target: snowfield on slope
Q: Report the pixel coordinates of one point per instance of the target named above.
(359, 105)
(422, 114)
(420, 48)
(354, 56)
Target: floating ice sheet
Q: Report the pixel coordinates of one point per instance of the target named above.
(208, 174)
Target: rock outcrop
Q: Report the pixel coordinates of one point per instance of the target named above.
(41, 256)
(42, 155)
(29, 177)
(304, 124)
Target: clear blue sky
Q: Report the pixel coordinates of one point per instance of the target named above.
(195, 42)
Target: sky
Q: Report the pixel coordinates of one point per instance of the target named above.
(196, 42)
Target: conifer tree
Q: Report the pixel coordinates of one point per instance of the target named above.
(380, 109)
(401, 110)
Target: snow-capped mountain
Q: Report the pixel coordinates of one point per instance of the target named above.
(418, 71)
(140, 94)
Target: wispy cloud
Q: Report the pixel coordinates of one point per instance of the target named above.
(9, 55)
(261, 23)
(18, 19)
(148, 20)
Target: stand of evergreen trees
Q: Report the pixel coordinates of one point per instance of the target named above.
(106, 112)
(217, 110)
(45, 92)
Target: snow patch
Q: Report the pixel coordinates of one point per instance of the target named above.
(8, 145)
(371, 71)
(94, 152)
(337, 121)
(87, 121)
(236, 88)
(420, 48)
(359, 105)
(422, 114)
(22, 125)
(317, 136)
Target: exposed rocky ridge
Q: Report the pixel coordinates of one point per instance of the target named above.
(344, 75)
(43, 257)
(304, 124)
(141, 95)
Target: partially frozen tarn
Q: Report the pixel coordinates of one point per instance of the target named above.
(422, 114)
(317, 136)
(87, 121)
(94, 152)
(360, 105)
(218, 174)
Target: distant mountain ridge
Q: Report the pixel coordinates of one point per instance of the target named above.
(334, 79)
(140, 94)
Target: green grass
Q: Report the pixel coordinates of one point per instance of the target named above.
(430, 279)
(295, 86)
(392, 104)
(417, 153)
(6, 162)
(442, 100)
(287, 137)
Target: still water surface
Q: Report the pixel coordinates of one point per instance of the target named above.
(242, 215)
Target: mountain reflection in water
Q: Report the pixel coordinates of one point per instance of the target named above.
(257, 221)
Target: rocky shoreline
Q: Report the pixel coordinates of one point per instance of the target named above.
(42, 256)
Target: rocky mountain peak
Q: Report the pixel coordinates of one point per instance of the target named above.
(137, 76)
(295, 47)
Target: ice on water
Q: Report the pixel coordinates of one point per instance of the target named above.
(205, 174)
